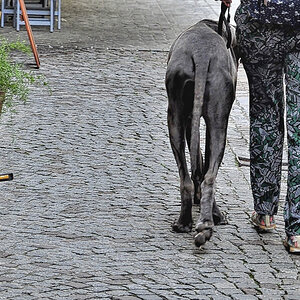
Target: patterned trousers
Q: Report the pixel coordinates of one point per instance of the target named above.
(271, 54)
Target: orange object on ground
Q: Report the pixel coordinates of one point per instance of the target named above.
(29, 32)
(6, 177)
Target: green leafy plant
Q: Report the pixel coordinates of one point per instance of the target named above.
(14, 79)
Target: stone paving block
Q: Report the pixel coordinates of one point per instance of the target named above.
(251, 292)
(95, 219)
(126, 298)
(243, 297)
(150, 297)
(219, 297)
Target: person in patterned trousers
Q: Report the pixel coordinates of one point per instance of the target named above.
(271, 53)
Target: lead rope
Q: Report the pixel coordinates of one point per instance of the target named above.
(222, 19)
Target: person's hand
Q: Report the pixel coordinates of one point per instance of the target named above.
(227, 2)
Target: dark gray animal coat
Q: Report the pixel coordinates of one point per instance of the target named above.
(200, 81)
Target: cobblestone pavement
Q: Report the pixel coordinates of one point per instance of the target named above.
(89, 213)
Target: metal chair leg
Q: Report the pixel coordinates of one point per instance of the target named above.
(17, 15)
(3, 14)
(52, 15)
(6, 9)
(59, 15)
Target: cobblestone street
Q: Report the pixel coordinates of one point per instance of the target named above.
(96, 188)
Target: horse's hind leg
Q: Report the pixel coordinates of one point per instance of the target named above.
(209, 212)
(177, 127)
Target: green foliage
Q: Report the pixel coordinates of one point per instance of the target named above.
(14, 79)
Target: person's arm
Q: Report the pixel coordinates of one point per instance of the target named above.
(227, 2)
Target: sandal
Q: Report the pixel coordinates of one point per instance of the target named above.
(292, 243)
(263, 222)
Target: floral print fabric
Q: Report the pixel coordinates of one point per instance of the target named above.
(276, 11)
(268, 52)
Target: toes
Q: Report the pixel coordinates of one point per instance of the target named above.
(202, 237)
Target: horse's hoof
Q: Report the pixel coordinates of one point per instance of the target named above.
(179, 227)
(220, 219)
(202, 237)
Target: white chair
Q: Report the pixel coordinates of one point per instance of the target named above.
(41, 13)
